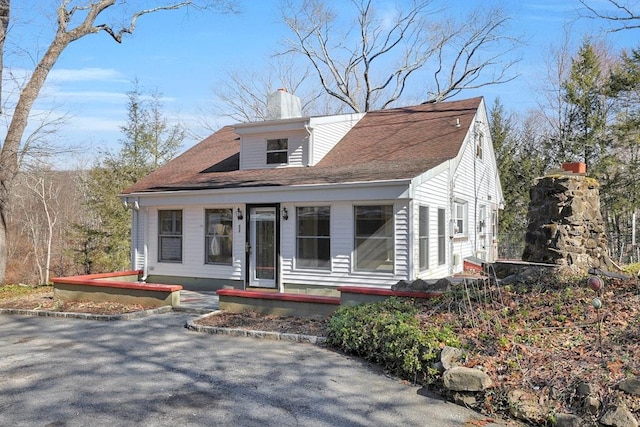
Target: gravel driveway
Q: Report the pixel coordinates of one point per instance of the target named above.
(154, 372)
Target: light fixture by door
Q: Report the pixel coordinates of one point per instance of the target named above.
(239, 214)
(285, 214)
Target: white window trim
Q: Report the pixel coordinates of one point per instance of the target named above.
(392, 239)
(464, 206)
(427, 237)
(286, 151)
(297, 265)
(205, 235)
(161, 235)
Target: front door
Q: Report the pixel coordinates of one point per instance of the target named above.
(262, 246)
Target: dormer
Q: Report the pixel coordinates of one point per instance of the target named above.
(288, 139)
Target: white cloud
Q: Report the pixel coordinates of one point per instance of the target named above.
(85, 74)
(94, 124)
(97, 96)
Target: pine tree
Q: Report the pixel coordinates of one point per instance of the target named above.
(585, 93)
(103, 240)
(519, 163)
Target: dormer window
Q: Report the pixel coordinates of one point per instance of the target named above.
(277, 151)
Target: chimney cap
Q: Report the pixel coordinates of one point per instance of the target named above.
(574, 167)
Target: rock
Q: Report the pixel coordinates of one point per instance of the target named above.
(619, 417)
(467, 399)
(524, 406)
(460, 378)
(584, 389)
(420, 285)
(568, 420)
(591, 405)
(511, 279)
(417, 285)
(630, 386)
(402, 285)
(449, 357)
(442, 285)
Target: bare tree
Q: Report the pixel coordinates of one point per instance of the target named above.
(4, 26)
(621, 15)
(369, 65)
(473, 54)
(75, 20)
(242, 92)
(39, 215)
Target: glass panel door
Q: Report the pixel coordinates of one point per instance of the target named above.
(262, 241)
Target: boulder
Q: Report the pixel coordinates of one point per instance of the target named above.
(465, 398)
(402, 285)
(568, 420)
(525, 406)
(584, 389)
(630, 386)
(619, 417)
(418, 285)
(461, 378)
(442, 285)
(591, 405)
(449, 357)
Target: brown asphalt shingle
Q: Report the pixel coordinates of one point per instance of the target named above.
(398, 143)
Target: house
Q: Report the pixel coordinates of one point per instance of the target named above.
(306, 204)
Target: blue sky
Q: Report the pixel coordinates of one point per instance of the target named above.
(182, 55)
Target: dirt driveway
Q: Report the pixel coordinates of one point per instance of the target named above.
(154, 372)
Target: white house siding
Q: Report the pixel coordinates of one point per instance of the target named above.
(328, 131)
(193, 262)
(253, 148)
(342, 249)
(434, 195)
(476, 182)
(466, 178)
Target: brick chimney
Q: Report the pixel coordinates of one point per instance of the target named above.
(575, 167)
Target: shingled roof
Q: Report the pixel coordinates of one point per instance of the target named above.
(399, 143)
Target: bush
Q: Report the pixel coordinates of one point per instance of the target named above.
(632, 269)
(388, 333)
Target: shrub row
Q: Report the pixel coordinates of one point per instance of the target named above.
(390, 334)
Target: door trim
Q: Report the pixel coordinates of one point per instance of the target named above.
(248, 232)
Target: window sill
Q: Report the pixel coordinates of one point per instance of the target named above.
(311, 270)
(461, 238)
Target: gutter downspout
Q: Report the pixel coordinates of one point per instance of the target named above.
(145, 238)
(145, 265)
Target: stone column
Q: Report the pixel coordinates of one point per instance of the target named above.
(565, 224)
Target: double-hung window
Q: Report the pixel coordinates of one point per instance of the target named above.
(374, 238)
(423, 238)
(442, 229)
(277, 151)
(170, 236)
(313, 237)
(218, 236)
(480, 147)
(460, 219)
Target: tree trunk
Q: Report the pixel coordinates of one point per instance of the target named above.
(90, 11)
(4, 192)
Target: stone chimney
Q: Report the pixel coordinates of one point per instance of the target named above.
(565, 226)
(283, 105)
